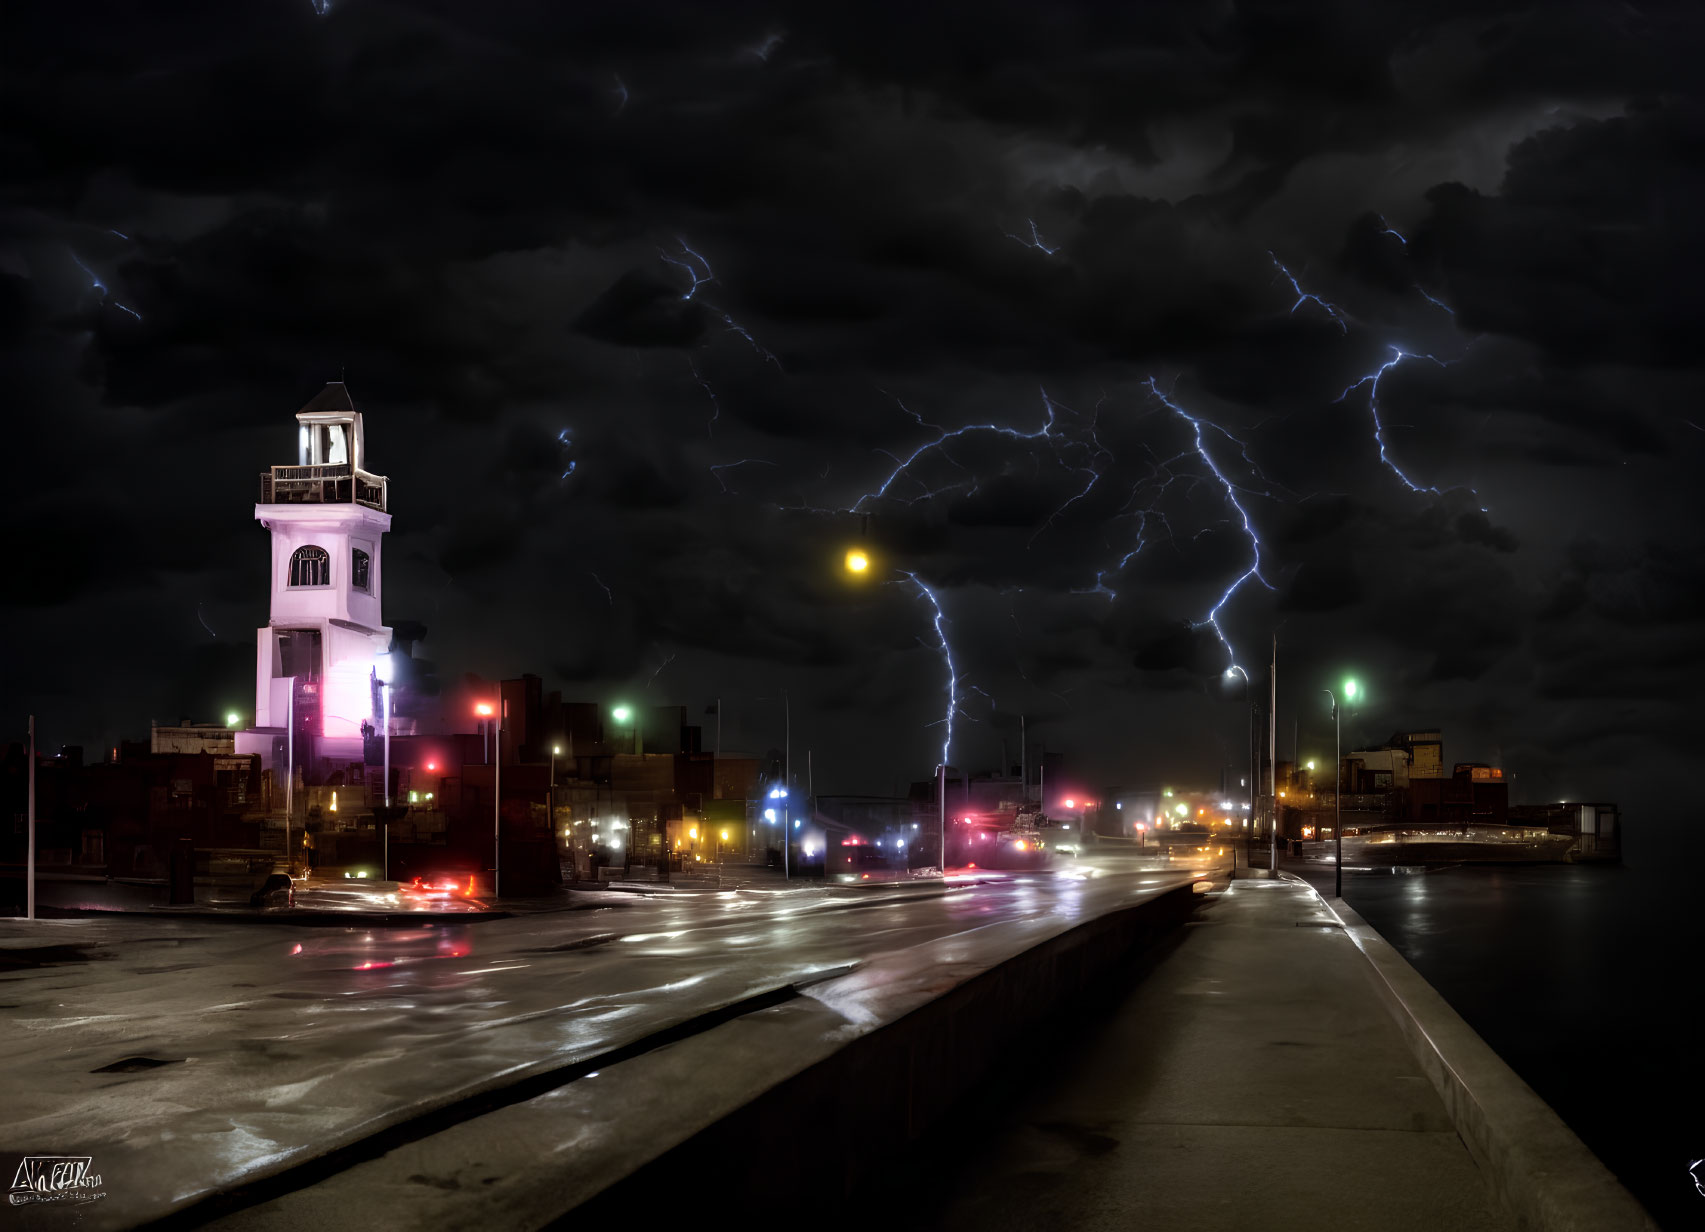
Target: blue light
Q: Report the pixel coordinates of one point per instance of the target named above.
(947, 658)
(1304, 297)
(1231, 491)
(796, 824)
(770, 816)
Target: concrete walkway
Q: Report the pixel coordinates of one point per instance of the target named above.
(1254, 1079)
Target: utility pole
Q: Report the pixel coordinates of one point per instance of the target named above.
(289, 770)
(1273, 761)
(497, 800)
(786, 781)
(30, 908)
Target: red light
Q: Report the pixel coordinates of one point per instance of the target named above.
(297, 948)
(483, 710)
(432, 765)
(1071, 803)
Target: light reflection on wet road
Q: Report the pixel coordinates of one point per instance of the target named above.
(285, 1040)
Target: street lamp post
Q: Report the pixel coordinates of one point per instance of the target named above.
(1249, 747)
(1338, 788)
(623, 713)
(386, 672)
(486, 713)
(30, 896)
(941, 789)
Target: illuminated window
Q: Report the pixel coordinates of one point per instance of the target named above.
(310, 566)
(360, 568)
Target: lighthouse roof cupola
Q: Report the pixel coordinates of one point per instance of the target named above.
(330, 458)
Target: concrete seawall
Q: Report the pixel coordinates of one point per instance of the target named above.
(820, 1135)
(1542, 1173)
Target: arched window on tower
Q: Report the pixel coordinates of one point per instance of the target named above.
(310, 566)
(360, 569)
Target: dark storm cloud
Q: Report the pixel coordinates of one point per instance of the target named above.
(457, 207)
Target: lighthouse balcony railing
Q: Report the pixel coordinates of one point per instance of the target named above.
(323, 484)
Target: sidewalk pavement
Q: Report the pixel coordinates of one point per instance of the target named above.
(1254, 1079)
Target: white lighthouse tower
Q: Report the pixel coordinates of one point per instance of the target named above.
(315, 656)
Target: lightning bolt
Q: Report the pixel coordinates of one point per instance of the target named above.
(692, 263)
(1371, 380)
(728, 466)
(1047, 432)
(95, 284)
(1437, 303)
(947, 660)
(1035, 240)
(716, 414)
(1231, 490)
(659, 671)
(608, 594)
(1303, 297)
(694, 260)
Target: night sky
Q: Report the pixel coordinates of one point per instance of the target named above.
(653, 311)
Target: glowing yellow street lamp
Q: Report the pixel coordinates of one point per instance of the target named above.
(857, 561)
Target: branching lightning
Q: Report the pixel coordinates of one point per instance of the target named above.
(1371, 380)
(947, 660)
(1304, 297)
(693, 263)
(1231, 495)
(1035, 240)
(1086, 451)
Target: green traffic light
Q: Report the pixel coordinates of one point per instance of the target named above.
(621, 714)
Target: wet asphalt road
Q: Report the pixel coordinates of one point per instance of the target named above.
(281, 1041)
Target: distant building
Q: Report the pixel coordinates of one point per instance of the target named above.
(189, 737)
(1426, 752)
(1375, 770)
